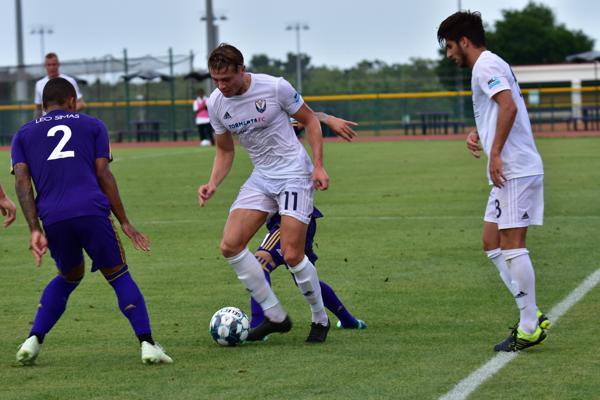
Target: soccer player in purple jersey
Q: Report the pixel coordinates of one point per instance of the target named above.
(7, 208)
(269, 256)
(66, 155)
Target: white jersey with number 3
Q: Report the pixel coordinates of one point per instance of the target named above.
(520, 157)
(260, 117)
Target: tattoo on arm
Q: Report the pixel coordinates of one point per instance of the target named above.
(321, 116)
(24, 190)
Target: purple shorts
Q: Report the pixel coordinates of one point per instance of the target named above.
(96, 235)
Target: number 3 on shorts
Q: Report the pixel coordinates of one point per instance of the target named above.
(498, 210)
(57, 153)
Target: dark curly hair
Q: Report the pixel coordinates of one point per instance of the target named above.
(462, 24)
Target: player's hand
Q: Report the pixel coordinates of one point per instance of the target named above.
(38, 246)
(139, 240)
(205, 192)
(320, 179)
(8, 209)
(473, 144)
(496, 171)
(342, 128)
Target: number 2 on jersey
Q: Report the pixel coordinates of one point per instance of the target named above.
(57, 153)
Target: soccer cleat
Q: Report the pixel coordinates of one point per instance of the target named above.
(29, 351)
(318, 332)
(360, 324)
(518, 340)
(543, 321)
(154, 354)
(267, 326)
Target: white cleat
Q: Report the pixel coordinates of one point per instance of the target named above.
(154, 354)
(29, 351)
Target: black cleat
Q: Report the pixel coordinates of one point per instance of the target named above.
(318, 332)
(517, 340)
(267, 326)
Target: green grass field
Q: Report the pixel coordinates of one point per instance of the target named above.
(400, 243)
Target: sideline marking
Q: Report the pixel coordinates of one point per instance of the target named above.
(464, 388)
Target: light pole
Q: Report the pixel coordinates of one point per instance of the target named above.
(212, 33)
(298, 27)
(21, 88)
(42, 30)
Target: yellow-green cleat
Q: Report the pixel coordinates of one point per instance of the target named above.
(543, 321)
(519, 340)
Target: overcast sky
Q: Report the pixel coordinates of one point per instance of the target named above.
(342, 32)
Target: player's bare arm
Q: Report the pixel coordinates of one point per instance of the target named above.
(339, 126)
(315, 139)
(507, 111)
(225, 153)
(108, 184)
(24, 189)
(7, 208)
(473, 143)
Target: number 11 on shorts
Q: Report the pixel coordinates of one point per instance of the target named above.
(287, 198)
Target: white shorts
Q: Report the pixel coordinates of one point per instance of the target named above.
(518, 204)
(293, 197)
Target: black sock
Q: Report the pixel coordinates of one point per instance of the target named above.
(146, 337)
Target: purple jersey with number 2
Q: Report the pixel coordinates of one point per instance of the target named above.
(61, 149)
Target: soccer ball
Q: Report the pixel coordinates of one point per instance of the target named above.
(229, 326)
(205, 143)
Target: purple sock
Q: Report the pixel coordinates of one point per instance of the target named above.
(52, 305)
(334, 304)
(257, 313)
(131, 302)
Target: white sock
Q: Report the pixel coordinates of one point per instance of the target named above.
(307, 279)
(497, 259)
(523, 278)
(249, 271)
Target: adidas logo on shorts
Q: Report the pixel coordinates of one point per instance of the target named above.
(227, 115)
(525, 216)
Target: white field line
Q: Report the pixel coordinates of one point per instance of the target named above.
(464, 388)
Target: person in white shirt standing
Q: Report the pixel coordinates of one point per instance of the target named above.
(257, 109)
(52, 65)
(202, 120)
(514, 168)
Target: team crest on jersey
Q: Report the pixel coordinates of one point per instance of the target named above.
(227, 115)
(261, 105)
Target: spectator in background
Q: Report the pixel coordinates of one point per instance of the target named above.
(52, 65)
(202, 120)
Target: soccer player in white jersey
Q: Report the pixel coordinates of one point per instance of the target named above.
(514, 168)
(52, 66)
(257, 109)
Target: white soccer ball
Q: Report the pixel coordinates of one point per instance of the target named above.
(205, 143)
(229, 326)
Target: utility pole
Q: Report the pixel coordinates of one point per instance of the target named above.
(298, 27)
(21, 88)
(212, 33)
(42, 30)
